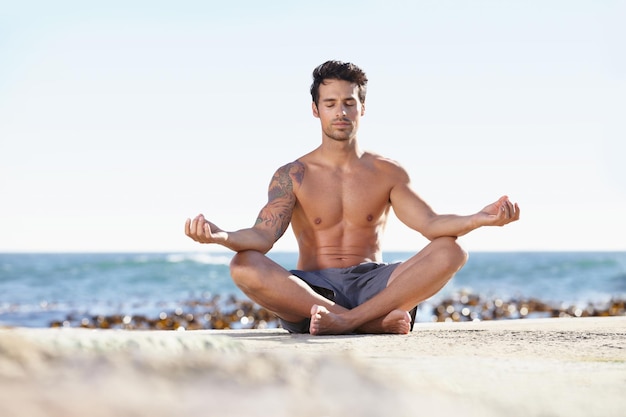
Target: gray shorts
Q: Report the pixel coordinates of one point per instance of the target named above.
(348, 287)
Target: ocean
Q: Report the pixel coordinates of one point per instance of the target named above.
(37, 290)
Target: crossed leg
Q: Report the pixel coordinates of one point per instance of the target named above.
(418, 278)
(414, 281)
(273, 287)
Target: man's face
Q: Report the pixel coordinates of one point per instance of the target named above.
(339, 109)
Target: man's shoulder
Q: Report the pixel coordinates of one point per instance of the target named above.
(293, 168)
(383, 162)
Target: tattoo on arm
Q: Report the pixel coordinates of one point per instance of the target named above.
(276, 214)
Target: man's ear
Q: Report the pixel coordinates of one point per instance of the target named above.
(314, 108)
(362, 109)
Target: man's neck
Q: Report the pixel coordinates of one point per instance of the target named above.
(340, 152)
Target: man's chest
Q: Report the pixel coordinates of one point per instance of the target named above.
(332, 199)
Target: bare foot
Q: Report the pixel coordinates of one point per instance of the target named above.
(397, 322)
(325, 322)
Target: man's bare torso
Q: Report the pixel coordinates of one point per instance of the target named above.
(340, 212)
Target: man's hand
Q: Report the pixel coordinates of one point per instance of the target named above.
(499, 213)
(203, 231)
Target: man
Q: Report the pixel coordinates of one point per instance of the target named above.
(337, 199)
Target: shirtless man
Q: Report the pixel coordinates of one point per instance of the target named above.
(337, 199)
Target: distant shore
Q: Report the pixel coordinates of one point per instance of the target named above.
(524, 367)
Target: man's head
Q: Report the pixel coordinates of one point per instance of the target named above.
(337, 70)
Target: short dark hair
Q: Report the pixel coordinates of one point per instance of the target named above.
(337, 70)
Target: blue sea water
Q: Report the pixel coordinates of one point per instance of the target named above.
(36, 289)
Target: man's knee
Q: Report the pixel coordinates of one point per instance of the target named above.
(453, 254)
(244, 269)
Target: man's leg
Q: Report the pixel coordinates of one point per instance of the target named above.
(416, 280)
(276, 289)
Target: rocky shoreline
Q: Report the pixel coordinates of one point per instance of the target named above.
(233, 313)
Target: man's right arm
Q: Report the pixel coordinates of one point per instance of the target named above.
(272, 221)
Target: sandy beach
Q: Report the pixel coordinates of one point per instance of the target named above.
(541, 367)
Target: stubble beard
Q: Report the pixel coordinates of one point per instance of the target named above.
(340, 135)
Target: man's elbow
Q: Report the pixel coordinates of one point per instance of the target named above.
(266, 248)
(266, 242)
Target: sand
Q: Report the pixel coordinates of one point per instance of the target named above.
(542, 367)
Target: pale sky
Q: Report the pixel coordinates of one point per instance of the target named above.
(118, 120)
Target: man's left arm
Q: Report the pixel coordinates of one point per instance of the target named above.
(416, 214)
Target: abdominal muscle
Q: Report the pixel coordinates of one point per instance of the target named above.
(327, 249)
